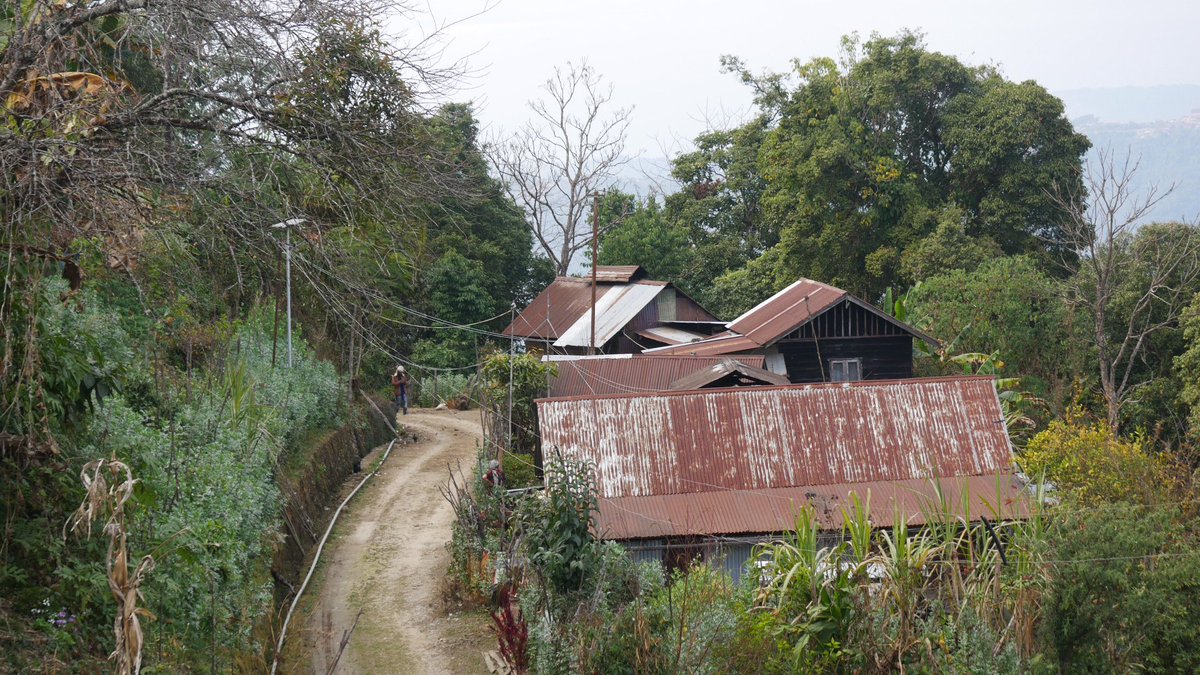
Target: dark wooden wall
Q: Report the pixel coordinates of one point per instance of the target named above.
(883, 358)
(687, 309)
(848, 331)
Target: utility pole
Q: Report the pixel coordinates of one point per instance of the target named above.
(287, 226)
(595, 261)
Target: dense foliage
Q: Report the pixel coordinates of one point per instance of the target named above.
(888, 165)
(1086, 583)
(204, 446)
(148, 148)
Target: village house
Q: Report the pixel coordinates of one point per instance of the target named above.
(709, 473)
(632, 314)
(814, 332)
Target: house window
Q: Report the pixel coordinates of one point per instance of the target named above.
(666, 305)
(845, 370)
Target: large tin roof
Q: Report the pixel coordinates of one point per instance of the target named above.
(562, 311)
(556, 308)
(614, 309)
(779, 315)
(732, 512)
(632, 374)
(766, 438)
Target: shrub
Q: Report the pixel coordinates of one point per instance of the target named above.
(1126, 596)
(519, 470)
(208, 506)
(434, 390)
(529, 378)
(1095, 466)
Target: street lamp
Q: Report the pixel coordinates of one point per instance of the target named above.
(287, 226)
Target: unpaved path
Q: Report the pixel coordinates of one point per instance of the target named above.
(387, 559)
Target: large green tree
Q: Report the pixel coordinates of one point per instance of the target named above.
(866, 151)
(712, 225)
(1006, 306)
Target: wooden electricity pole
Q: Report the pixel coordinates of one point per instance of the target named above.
(595, 238)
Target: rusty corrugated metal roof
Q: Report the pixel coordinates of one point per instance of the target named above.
(724, 368)
(631, 374)
(768, 437)
(755, 439)
(618, 273)
(740, 512)
(555, 309)
(561, 312)
(779, 315)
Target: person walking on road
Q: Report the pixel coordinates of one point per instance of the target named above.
(400, 384)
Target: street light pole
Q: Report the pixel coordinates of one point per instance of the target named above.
(287, 226)
(287, 253)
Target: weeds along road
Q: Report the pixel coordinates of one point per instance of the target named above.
(387, 557)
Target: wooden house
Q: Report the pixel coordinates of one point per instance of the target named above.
(712, 472)
(814, 332)
(632, 313)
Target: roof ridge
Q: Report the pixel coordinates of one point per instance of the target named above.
(860, 384)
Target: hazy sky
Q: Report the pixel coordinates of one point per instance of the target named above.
(662, 56)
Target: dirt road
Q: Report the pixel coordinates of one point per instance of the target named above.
(387, 559)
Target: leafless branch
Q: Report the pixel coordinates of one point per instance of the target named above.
(1151, 271)
(571, 148)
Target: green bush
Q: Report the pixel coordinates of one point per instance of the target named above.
(432, 390)
(1126, 596)
(519, 471)
(207, 507)
(1096, 467)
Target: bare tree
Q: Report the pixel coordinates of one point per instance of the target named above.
(1134, 284)
(570, 149)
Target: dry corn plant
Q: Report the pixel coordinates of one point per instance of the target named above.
(109, 485)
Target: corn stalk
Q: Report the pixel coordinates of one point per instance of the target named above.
(109, 485)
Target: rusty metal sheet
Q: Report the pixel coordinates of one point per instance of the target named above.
(781, 313)
(724, 368)
(600, 375)
(556, 308)
(753, 438)
(621, 274)
(614, 309)
(772, 510)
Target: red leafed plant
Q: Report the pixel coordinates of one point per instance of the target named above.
(512, 632)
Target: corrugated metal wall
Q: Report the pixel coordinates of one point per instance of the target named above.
(731, 557)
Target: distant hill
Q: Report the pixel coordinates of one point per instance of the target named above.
(1169, 152)
(1161, 125)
